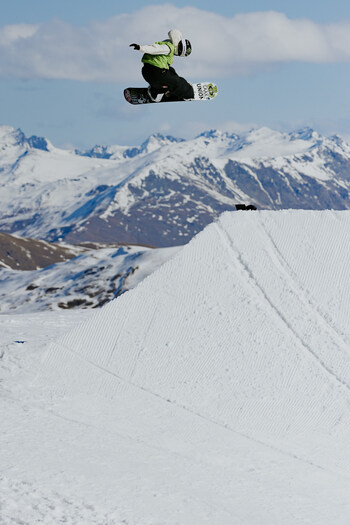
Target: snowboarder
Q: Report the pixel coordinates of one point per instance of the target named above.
(157, 71)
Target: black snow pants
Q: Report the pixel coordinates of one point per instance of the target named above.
(163, 80)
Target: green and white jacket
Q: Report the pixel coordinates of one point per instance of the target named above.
(161, 54)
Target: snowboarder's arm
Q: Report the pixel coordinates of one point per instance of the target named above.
(155, 49)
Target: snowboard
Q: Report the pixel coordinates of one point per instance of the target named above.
(202, 91)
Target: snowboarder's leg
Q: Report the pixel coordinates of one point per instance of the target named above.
(167, 81)
(178, 86)
(155, 78)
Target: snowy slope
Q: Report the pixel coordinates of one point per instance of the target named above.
(89, 280)
(165, 191)
(217, 391)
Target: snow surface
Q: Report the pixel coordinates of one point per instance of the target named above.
(217, 391)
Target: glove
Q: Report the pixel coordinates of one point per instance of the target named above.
(135, 46)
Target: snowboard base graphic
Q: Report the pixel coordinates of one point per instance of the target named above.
(202, 91)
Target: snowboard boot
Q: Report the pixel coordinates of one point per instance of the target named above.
(192, 93)
(154, 94)
(191, 97)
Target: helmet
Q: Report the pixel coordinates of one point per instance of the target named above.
(184, 48)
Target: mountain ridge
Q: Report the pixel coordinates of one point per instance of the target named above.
(158, 193)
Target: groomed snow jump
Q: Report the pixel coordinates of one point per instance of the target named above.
(246, 331)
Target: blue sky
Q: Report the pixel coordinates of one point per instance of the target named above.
(64, 64)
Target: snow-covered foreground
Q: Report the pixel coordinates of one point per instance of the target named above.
(217, 391)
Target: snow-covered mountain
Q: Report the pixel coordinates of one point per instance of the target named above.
(166, 190)
(37, 275)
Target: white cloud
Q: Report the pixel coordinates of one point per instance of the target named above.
(221, 46)
(10, 35)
